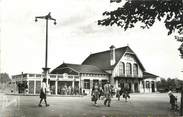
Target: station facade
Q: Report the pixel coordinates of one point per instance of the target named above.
(120, 66)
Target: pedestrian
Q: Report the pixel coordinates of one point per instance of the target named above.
(173, 101)
(43, 93)
(95, 93)
(100, 92)
(107, 94)
(118, 92)
(126, 94)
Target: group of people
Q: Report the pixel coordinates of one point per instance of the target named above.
(97, 92)
(68, 90)
(108, 91)
(124, 92)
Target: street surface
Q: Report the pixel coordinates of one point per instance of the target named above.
(139, 105)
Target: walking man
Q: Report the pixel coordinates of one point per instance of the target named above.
(118, 92)
(43, 93)
(107, 94)
(95, 93)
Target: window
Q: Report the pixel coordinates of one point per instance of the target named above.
(86, 84)
(76, 77)
(70, 76)
(31, 75)
(121, 69)
(128, 69)
(38, 75)
(143, 84)
(60, 76)
(52, 76)
(135, 69)
(147, 84)
(95, 81)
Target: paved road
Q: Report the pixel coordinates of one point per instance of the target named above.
(139, 105)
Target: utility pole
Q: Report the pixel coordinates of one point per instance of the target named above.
(46, 69)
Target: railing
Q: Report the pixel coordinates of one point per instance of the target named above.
(50, 75)
(127, 75)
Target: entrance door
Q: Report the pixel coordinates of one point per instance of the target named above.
(95, 81)
(52, 87)
(152, 86)
(136, 87)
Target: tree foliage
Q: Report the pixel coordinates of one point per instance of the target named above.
(4, 78)
(170, 84)
(146, 12)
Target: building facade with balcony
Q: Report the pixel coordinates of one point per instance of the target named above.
(120, 66)
(124, 69)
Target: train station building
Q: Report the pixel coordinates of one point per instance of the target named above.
(120, 66)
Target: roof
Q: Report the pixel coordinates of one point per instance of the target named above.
(79, 68)
(149, 75)
(102, 59)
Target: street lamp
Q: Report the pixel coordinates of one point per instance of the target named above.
(47, 17)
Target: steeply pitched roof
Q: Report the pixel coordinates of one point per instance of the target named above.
(79, 68)
(102, 59)
(149, 75)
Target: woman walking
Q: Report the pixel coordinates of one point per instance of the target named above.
(43, 93)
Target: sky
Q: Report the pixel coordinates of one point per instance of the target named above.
(76, 36)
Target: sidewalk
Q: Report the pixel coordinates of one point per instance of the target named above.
(16, 94)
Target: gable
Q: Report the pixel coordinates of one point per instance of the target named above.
(132, 57)
(65, 70)
(102, 59)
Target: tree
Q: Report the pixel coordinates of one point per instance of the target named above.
(4, 78)
(147, 12)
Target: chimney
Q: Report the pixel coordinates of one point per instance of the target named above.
(112, 55)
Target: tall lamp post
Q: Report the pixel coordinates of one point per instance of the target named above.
(46, 69)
